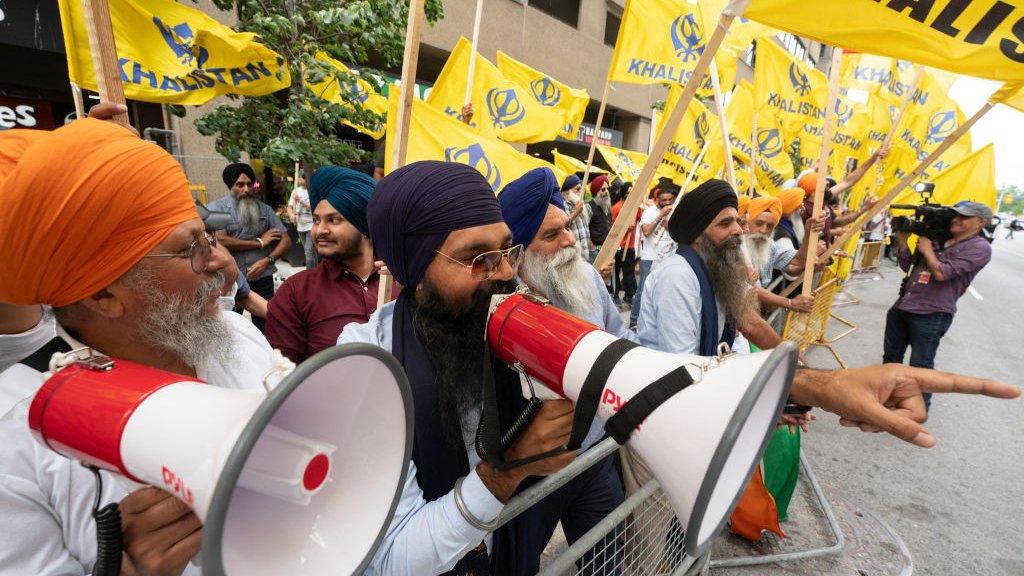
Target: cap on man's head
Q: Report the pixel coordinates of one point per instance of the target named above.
(571, 181)
(413, 209)
(525, 200)
(698, 209)
(233, 171)
(975, 209)
(99, 199)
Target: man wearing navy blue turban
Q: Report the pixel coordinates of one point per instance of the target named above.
(439, 229)
(312, 307)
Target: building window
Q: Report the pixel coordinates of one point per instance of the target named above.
(611, 28)
(567, 11)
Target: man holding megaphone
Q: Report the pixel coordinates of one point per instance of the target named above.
(439, 229)
(116, 247)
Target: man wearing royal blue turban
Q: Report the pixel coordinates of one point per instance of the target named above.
(439, 229)
(312, 307)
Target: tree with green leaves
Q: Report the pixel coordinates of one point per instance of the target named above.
(295, 124)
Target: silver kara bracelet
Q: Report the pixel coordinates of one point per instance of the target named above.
(464, 510)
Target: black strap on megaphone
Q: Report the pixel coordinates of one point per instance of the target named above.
(491, 444)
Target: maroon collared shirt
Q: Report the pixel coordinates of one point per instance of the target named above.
(310, 309)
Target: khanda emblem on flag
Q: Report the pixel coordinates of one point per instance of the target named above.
(356, 92)
(475, 157)
(769, 143)
(701, 129)
(179, 39)
(801, 83)
(504, 107)
(545, 91)
(627, 164)
(843, 112)
(941, 125)
(687, 38)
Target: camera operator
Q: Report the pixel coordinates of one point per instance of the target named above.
(939, 273)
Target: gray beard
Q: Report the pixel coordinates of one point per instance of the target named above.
(604, 202)
(728, 275)
(563, 278)
(249, 214)
(179, 326)
(798, 225)
(758, 247)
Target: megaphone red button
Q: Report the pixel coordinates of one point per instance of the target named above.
(316, 472)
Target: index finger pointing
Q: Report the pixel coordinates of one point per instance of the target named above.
(935, 381)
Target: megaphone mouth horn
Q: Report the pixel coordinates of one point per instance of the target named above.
(313, 464)
(729, 455)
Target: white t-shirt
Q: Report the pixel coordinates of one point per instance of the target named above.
(649, 249)
(15, 347)
(299, 203)
(46, 500)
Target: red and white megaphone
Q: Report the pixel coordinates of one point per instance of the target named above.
(301, 480)
(706, 421)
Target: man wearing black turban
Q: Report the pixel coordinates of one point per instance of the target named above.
(312, 307)
(255, 236)
(699, 296)
(438, 228)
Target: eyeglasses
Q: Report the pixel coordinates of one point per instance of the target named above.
(487, 264)
(198, 253)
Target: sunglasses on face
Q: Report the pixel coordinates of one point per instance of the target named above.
(486, 265)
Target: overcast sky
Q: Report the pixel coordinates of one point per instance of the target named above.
(1002, 125)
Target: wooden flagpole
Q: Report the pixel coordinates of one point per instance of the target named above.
(643, 182)
(730, 170)
(686, 184)
(104, 55)
(904, 106)
(899, 186)
(405, 99)
(76, 95)
(754, 149)
(472, 58)
(823, 156)
(597, 131)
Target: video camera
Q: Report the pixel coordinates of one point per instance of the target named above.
(931, 221)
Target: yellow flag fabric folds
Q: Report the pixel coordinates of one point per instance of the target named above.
(501, 108)
(698, 127)
(984, 39)
(773, 166)
(433, 135)
(788, 88)
(973, 178)
(659, 41)
(570, 165)
(626, 164)
(169, 53)
(340, 91)
(572, 102)
(1011, 95)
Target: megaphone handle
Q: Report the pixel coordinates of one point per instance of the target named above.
(109, 538)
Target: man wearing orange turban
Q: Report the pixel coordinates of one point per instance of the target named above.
(100, 225)
(791, 225)
(768, 256)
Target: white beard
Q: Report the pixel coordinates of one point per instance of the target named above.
(758, 248)
(798, 225)
(563, 278)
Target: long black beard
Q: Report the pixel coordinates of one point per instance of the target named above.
(453, 336)
(728, 275)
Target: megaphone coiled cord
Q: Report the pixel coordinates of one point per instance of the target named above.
(109, 538)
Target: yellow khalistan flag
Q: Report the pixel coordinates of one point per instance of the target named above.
(788, 88)
(773, 166)
(698, 127)
(659, 41)
(972, 178)
(983, 39)
(1011, 95)
(433, 135)
(626, 164)
(572, 102)
(501, 108)
(850, 139)
(169, 53)
(928, 121)
(348, 93)
(570, 165)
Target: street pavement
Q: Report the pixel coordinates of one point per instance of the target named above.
(955, 509)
